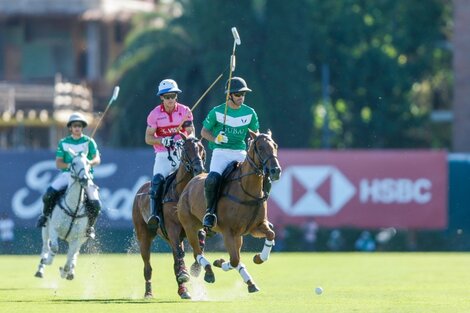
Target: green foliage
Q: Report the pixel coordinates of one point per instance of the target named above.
(389, 62)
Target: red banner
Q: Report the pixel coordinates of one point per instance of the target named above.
(364, 189)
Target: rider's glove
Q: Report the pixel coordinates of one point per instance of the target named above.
(168, 142)
(221, 138)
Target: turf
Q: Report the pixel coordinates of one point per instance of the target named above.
(352, 282)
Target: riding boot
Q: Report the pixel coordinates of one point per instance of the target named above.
(211, 192)
(156, 195)
(93, 208)
(49, 199)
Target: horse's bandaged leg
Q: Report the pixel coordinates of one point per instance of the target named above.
(226, 266)
(244, 273)
(268, 245)
(202, 261)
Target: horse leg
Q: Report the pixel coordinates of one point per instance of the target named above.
(181, 273)
(45, 253)
(145, 241)
(267, 231)
(233, 245)
(195, 267)
(53, 239)
(68, 271)
(177, 247)
(191, 227)
(199, 256)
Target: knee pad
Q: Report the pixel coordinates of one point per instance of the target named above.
(51, 195)
(93, 207)
(213, 180)
(157, 183)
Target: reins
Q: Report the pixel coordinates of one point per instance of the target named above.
(257, 170)
(73, 213)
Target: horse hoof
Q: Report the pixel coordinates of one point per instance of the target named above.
(257, 259)
(183, 277)
(183, 292)
(195, 269)
(252, 288)
(62, 272)
(38, 274)
(148, 295)
(218, 263)
(70, 277)
(209, 275)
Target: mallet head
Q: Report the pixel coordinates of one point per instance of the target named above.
(115, 93)
(236, 37)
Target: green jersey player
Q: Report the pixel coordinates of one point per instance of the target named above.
(78, 142)
(226, 135)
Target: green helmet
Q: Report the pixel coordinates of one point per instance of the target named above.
(237, 84)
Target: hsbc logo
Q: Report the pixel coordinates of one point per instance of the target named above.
(324, 191)
(312, 191)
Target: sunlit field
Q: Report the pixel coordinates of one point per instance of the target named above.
(351, 282)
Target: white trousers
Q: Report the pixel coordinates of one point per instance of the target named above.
(62, 180)
(164, 166)
(222, 157)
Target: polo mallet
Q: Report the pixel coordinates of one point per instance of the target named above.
(113, 98)
(201, 97)
(236, 42)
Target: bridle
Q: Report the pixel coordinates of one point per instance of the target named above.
(185, 157)
(73, 213)
(259, 170)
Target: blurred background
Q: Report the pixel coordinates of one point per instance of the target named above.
(368, 101)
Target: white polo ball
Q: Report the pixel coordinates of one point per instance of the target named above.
(319, 290)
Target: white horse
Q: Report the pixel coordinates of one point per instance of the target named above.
(68, 221)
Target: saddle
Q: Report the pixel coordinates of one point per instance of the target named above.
(166, 198)
(166, 188)
(231, 168)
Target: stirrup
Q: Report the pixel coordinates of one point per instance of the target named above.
(209, 221)
(90, 232)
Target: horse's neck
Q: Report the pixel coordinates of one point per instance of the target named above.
(182, 179)
(74, 195)
(250, 182)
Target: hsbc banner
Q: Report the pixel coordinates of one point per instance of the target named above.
(365, 189)
(405, 189)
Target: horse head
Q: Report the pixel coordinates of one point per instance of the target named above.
(264, 151)
(193, 154)
(80, 168)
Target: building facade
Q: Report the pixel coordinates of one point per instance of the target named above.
(53, 58)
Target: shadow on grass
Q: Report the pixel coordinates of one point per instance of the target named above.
(117, 301)
(96, 301)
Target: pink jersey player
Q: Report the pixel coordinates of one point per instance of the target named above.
(166, 123)
(161, 133)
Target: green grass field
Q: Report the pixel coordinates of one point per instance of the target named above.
(352, 282)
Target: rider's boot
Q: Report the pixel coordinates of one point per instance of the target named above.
(93, 208)
(211, 191)
(156, 194)
(49, 199)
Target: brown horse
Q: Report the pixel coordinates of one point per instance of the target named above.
(192, 164)
(241, 210)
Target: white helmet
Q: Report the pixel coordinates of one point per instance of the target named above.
(166, 86)
(77, 117)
